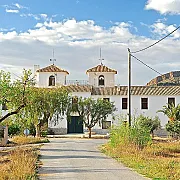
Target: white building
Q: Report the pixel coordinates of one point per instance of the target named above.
(50, 76)
(101, 84)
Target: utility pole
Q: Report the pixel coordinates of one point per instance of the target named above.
(129, 87)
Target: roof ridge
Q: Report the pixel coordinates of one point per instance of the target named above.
(52, 68)
(101, 68)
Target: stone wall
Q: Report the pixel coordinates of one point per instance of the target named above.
(99, 131)
(57, 131)
(161, 133)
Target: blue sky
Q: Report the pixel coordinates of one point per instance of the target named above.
(30, 29)
(103, 12)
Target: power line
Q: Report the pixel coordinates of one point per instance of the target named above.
(172, 80)
(146, 65)
(157, 41)
(12, 72)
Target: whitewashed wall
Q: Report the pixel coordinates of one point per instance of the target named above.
(3, 113)
(155, 103)
(108, 76)
(62, 123)
(42, 78)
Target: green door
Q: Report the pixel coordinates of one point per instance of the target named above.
(75, 125)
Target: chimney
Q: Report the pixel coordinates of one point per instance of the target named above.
(36, 67)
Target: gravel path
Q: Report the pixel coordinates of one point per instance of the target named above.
(80, 159)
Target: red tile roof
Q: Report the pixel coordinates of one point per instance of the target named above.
(123, 90)
(52, 68)
(101, 68)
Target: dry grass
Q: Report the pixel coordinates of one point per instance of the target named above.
(18, 164)
(160, 161)
(21, 140)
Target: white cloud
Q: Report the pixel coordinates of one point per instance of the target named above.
(36, 17)
(43, 17)
(14, 8)
(164, 6)
(5, 29)
(20, 6)
(77, 44)
(160, 29)
(38, 25)
(12, 11)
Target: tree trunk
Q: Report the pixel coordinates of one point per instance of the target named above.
(89, 132)
(37, 131)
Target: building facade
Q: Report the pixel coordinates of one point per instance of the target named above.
(146, 100)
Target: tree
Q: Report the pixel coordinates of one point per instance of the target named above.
(173, 128)
(44, 104)
(150, 123)
(173, 113)
(93, 111)
(14, 95)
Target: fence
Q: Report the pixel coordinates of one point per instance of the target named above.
(77, 82)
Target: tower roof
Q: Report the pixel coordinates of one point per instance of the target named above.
(101, 68)
(52, 68)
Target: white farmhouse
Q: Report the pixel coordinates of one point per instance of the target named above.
(101, 84)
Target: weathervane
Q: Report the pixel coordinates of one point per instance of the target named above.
(53, 59)
(101, 59)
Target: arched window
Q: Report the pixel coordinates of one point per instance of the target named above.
(101, 80)
(51, 81)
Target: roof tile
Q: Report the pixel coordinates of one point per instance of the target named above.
(52, 68)
(101, 68)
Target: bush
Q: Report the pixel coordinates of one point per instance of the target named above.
(174, 128)
(135, 135)
(173, 113)
(149, 123)
(44, 133)
(14, 129)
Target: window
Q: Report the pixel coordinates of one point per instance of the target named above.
(171, 101)
(124, 103)
(106, 99)
(51, 81)
(101, 80)
(144, 103)
(4, 107)
(106, 124)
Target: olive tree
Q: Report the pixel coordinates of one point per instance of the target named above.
(15, 94)
(149, 123)
(44, 104)
(93, 111)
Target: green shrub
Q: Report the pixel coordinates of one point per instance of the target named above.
(149, 123)
(44, 133)
(173, 127)
(135, 135)
(14, 129)
(173, 113)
